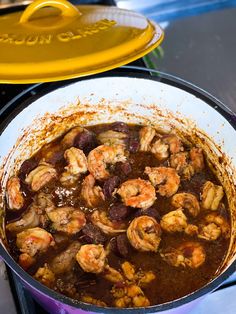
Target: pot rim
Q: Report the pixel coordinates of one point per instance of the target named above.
(22, 100)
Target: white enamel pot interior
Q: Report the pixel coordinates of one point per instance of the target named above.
(132, 99)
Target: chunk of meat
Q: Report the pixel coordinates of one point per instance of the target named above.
(92, 258)
(52, 154)
(40, 176)
(69, 138)
(152, 212)
(86, 141)
(109, 186)
(14, 194)
(120, 245)
(120, 127)
(92, 194)
(212, 194)
(133, 144)
(27, 166)
(93, 235)
(118, 212)
(64, 261)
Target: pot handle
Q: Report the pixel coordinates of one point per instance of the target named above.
(67, 9)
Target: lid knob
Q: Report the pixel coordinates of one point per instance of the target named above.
(66, 8)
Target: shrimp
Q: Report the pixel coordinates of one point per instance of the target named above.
(14, 194)
(44, 202)
(40, 176)
(112, 138)
(163, 144)
(212, 194)
(45, 275)
(188, 172)
(77, 164)
(144, 234)
(179, 161)
(113, 275)
(197, 159)
(174, 221)
(174, 142)
(68, 139)
(101, 220)
(191, 230)
(92, 194)
(213, 227)
(29, 219)
(31, 242)
(191, 254)
(35, 214)
(166, 178)
(137, 193)
(92, 258)
(102, 155)
(67, 219)
(187, 201)
(146, 135)
(160, 149)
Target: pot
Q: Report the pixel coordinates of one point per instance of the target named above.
(129, 97)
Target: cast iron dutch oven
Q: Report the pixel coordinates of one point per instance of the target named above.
(128, 95)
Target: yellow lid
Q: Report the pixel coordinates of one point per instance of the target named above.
(65, 41)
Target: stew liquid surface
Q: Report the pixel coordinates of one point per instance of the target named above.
(118, 215)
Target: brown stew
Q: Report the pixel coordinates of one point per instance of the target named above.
(118, 215)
